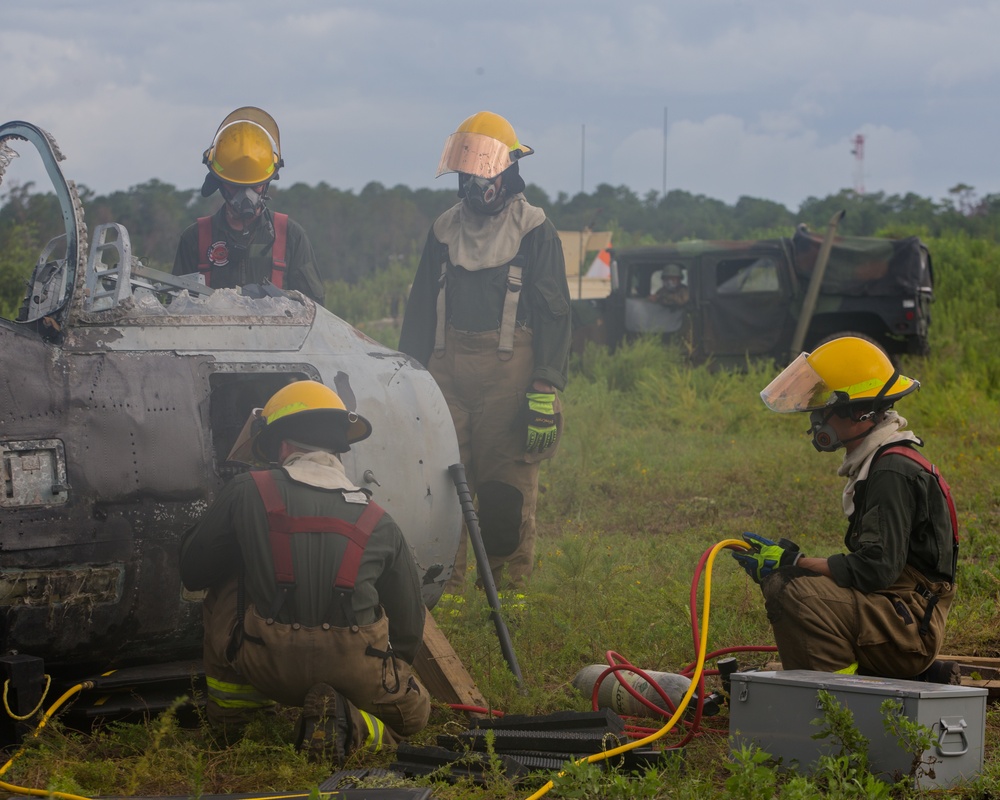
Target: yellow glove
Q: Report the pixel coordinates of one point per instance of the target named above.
(541, 421)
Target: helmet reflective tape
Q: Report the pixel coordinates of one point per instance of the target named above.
(235, 695)
(376, 731)
(284, 411)
(858, 388)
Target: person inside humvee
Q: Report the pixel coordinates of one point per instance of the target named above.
(673, 292)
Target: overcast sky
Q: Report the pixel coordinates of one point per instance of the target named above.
(760, 97)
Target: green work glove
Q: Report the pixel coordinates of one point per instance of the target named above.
(541, 421)
(766, 556)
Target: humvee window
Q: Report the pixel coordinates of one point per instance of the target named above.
(746, 275)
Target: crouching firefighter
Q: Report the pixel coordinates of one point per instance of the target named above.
(879, 609)
(308, 583)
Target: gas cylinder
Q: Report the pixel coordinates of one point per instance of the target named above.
(612, 694)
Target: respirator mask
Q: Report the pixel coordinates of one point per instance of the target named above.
(825, 438)
(246, 202)
(485, 195)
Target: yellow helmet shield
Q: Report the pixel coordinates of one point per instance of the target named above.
(484, 145)
(843, 370)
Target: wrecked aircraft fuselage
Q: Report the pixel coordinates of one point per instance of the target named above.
(122, 391)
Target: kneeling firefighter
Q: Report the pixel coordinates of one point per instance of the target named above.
(308, 582)
(879, 609)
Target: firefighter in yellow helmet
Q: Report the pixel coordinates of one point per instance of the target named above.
(244, 242)
(308, 583)
(880, 608)
(488, 315)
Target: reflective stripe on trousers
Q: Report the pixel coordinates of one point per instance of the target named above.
(376, 731)
(235, 695)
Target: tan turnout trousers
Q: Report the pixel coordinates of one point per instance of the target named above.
(282, 662)
(486, 397)
(819, 625)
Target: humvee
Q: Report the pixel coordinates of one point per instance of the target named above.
(751, 298)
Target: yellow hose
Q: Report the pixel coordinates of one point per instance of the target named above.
(681, 707)
(696, 677)
(9, 787)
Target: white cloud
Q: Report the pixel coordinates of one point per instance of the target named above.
(763, 97)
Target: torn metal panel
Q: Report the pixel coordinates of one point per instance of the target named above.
(122, 391)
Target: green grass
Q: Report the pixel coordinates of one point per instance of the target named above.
(659, 462)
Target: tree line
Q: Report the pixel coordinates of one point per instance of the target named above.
(357, 235)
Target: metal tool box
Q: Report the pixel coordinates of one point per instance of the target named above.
(776, 710)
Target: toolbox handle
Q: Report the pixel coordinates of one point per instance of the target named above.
(952, 725)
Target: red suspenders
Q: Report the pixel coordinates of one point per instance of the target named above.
(281, 526)
(913, 455)
(279, 265)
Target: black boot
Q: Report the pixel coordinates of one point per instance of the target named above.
(947, 672)
(321, 731)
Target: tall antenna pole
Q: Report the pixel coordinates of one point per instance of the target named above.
(859, 164)
(583, 152)
(664, 151)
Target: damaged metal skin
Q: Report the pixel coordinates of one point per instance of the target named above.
(122, 391)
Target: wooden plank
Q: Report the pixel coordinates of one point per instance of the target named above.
(973, 661)
(441, 670)
(992, 687)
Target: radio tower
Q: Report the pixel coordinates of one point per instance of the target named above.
(859, 164)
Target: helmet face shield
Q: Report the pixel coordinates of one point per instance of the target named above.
(475, 154)
(843, 370)
(798, 388)
(244, 153)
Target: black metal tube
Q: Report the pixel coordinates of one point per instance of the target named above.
(457, 472)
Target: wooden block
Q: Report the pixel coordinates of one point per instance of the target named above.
(992, 688)
(441, 670)
(973, 661)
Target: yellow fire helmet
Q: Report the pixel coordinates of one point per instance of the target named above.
(843, 370)
(484, 145)
(305, 412)
(246, 149)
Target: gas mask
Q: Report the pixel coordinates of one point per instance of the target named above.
(484, 195)
(246, 202)
(825, 438)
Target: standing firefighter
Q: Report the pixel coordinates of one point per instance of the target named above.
(308, 582)
(880, 608)
(488, 315)
(244, 242)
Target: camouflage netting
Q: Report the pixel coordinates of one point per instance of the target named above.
(864, 266)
